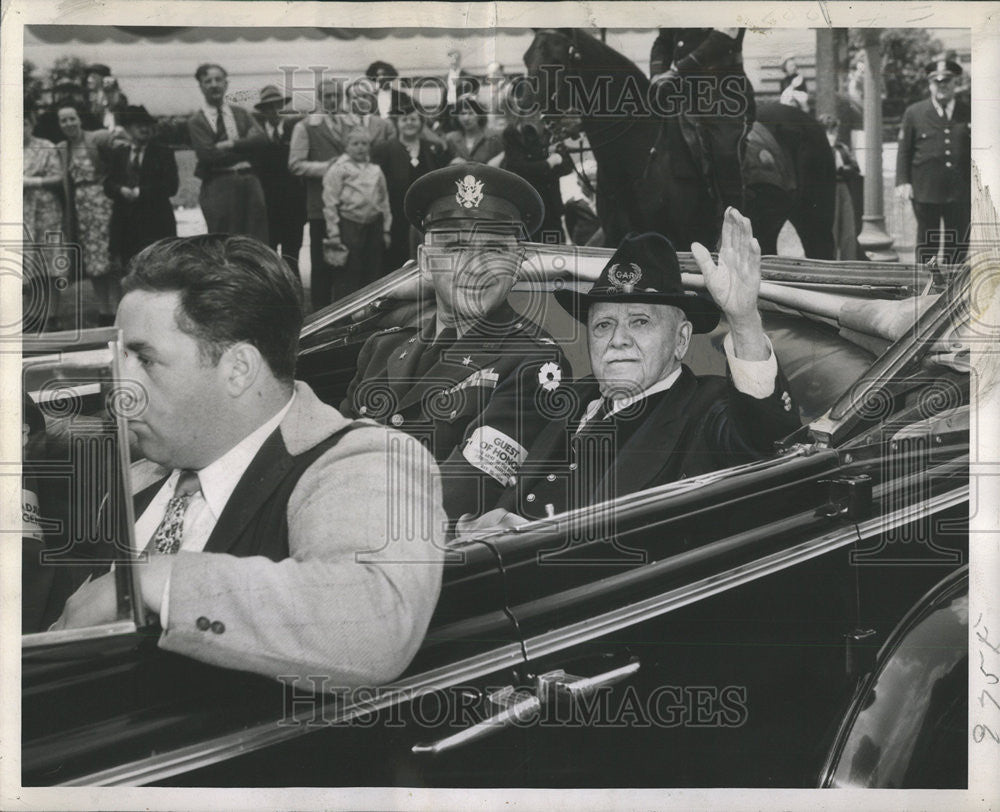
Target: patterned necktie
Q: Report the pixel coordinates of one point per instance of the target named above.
(220, 127)
(167, 538)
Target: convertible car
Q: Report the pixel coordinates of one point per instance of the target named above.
(793, 622)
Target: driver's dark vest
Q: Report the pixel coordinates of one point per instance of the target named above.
(254, 520)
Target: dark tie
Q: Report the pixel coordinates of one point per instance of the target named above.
(135, 165)
(220, 127)
(168, 536)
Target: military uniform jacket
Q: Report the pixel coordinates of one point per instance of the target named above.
(435, 392)
(700, 424)
(934, 153)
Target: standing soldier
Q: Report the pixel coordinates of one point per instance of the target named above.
(705, 65)
(933, 165)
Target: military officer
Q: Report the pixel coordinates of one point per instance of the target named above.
(933, 165)
(433, 380)
(645, 419)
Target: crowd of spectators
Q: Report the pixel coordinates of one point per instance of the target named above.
(98, 179)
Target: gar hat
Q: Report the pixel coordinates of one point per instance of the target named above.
(135, 114)
(269, 94)
(98, 68)
(473, 191)
(943, 69)
(644, 269)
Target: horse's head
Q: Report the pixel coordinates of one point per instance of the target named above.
(550, 50)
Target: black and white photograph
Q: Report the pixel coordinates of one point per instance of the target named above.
(500, 405)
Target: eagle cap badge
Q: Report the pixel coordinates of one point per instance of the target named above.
(470, 192)
(624, 276)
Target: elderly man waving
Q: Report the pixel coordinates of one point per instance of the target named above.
(653, 419)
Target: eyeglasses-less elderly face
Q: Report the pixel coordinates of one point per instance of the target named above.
(634, 345)
(472, 270)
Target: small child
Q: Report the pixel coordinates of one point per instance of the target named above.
(358, 219)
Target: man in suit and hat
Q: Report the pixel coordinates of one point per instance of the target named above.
(934, 166)
(284, 193)
(643, 419)
(226, 139)
(263, 515)
(141, 179)
(437, 377)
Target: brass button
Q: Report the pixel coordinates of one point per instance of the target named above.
(530, 497)
(218, 627)
(572, 466)
(203, 623)
(396, 420)
(948, 164)
(363, 410)
(551, 477)
(453, 413)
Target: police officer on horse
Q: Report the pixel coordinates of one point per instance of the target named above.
(703, 69)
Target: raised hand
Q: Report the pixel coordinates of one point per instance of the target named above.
(735, 283)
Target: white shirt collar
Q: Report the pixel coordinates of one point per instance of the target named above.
(218, 479)
(617, 404)
(948, 109)
(211, 113)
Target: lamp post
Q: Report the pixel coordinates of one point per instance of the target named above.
(874, 240)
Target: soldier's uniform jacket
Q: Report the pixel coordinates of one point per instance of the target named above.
(699, 424)
(934, 153)
(435, 391)
(697, 50)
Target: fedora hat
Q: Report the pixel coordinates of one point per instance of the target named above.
(269, 94)
(644, 269)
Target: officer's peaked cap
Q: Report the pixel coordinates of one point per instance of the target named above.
(473, 191)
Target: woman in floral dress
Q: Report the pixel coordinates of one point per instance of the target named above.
(85, 158)
(46, 271)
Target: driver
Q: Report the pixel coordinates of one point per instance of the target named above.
(645, 419)
(434, 379)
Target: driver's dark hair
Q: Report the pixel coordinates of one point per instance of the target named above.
(232, 288)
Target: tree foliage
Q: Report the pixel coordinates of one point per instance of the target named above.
(905, 53)
(32, 83)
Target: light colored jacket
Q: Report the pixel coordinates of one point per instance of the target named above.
(352, 601)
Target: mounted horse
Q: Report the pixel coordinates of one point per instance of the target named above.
(649, 177)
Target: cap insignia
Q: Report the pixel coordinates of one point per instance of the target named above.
(470, 192)
(624, 276)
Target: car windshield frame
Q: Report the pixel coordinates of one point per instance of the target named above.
(96, 348)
